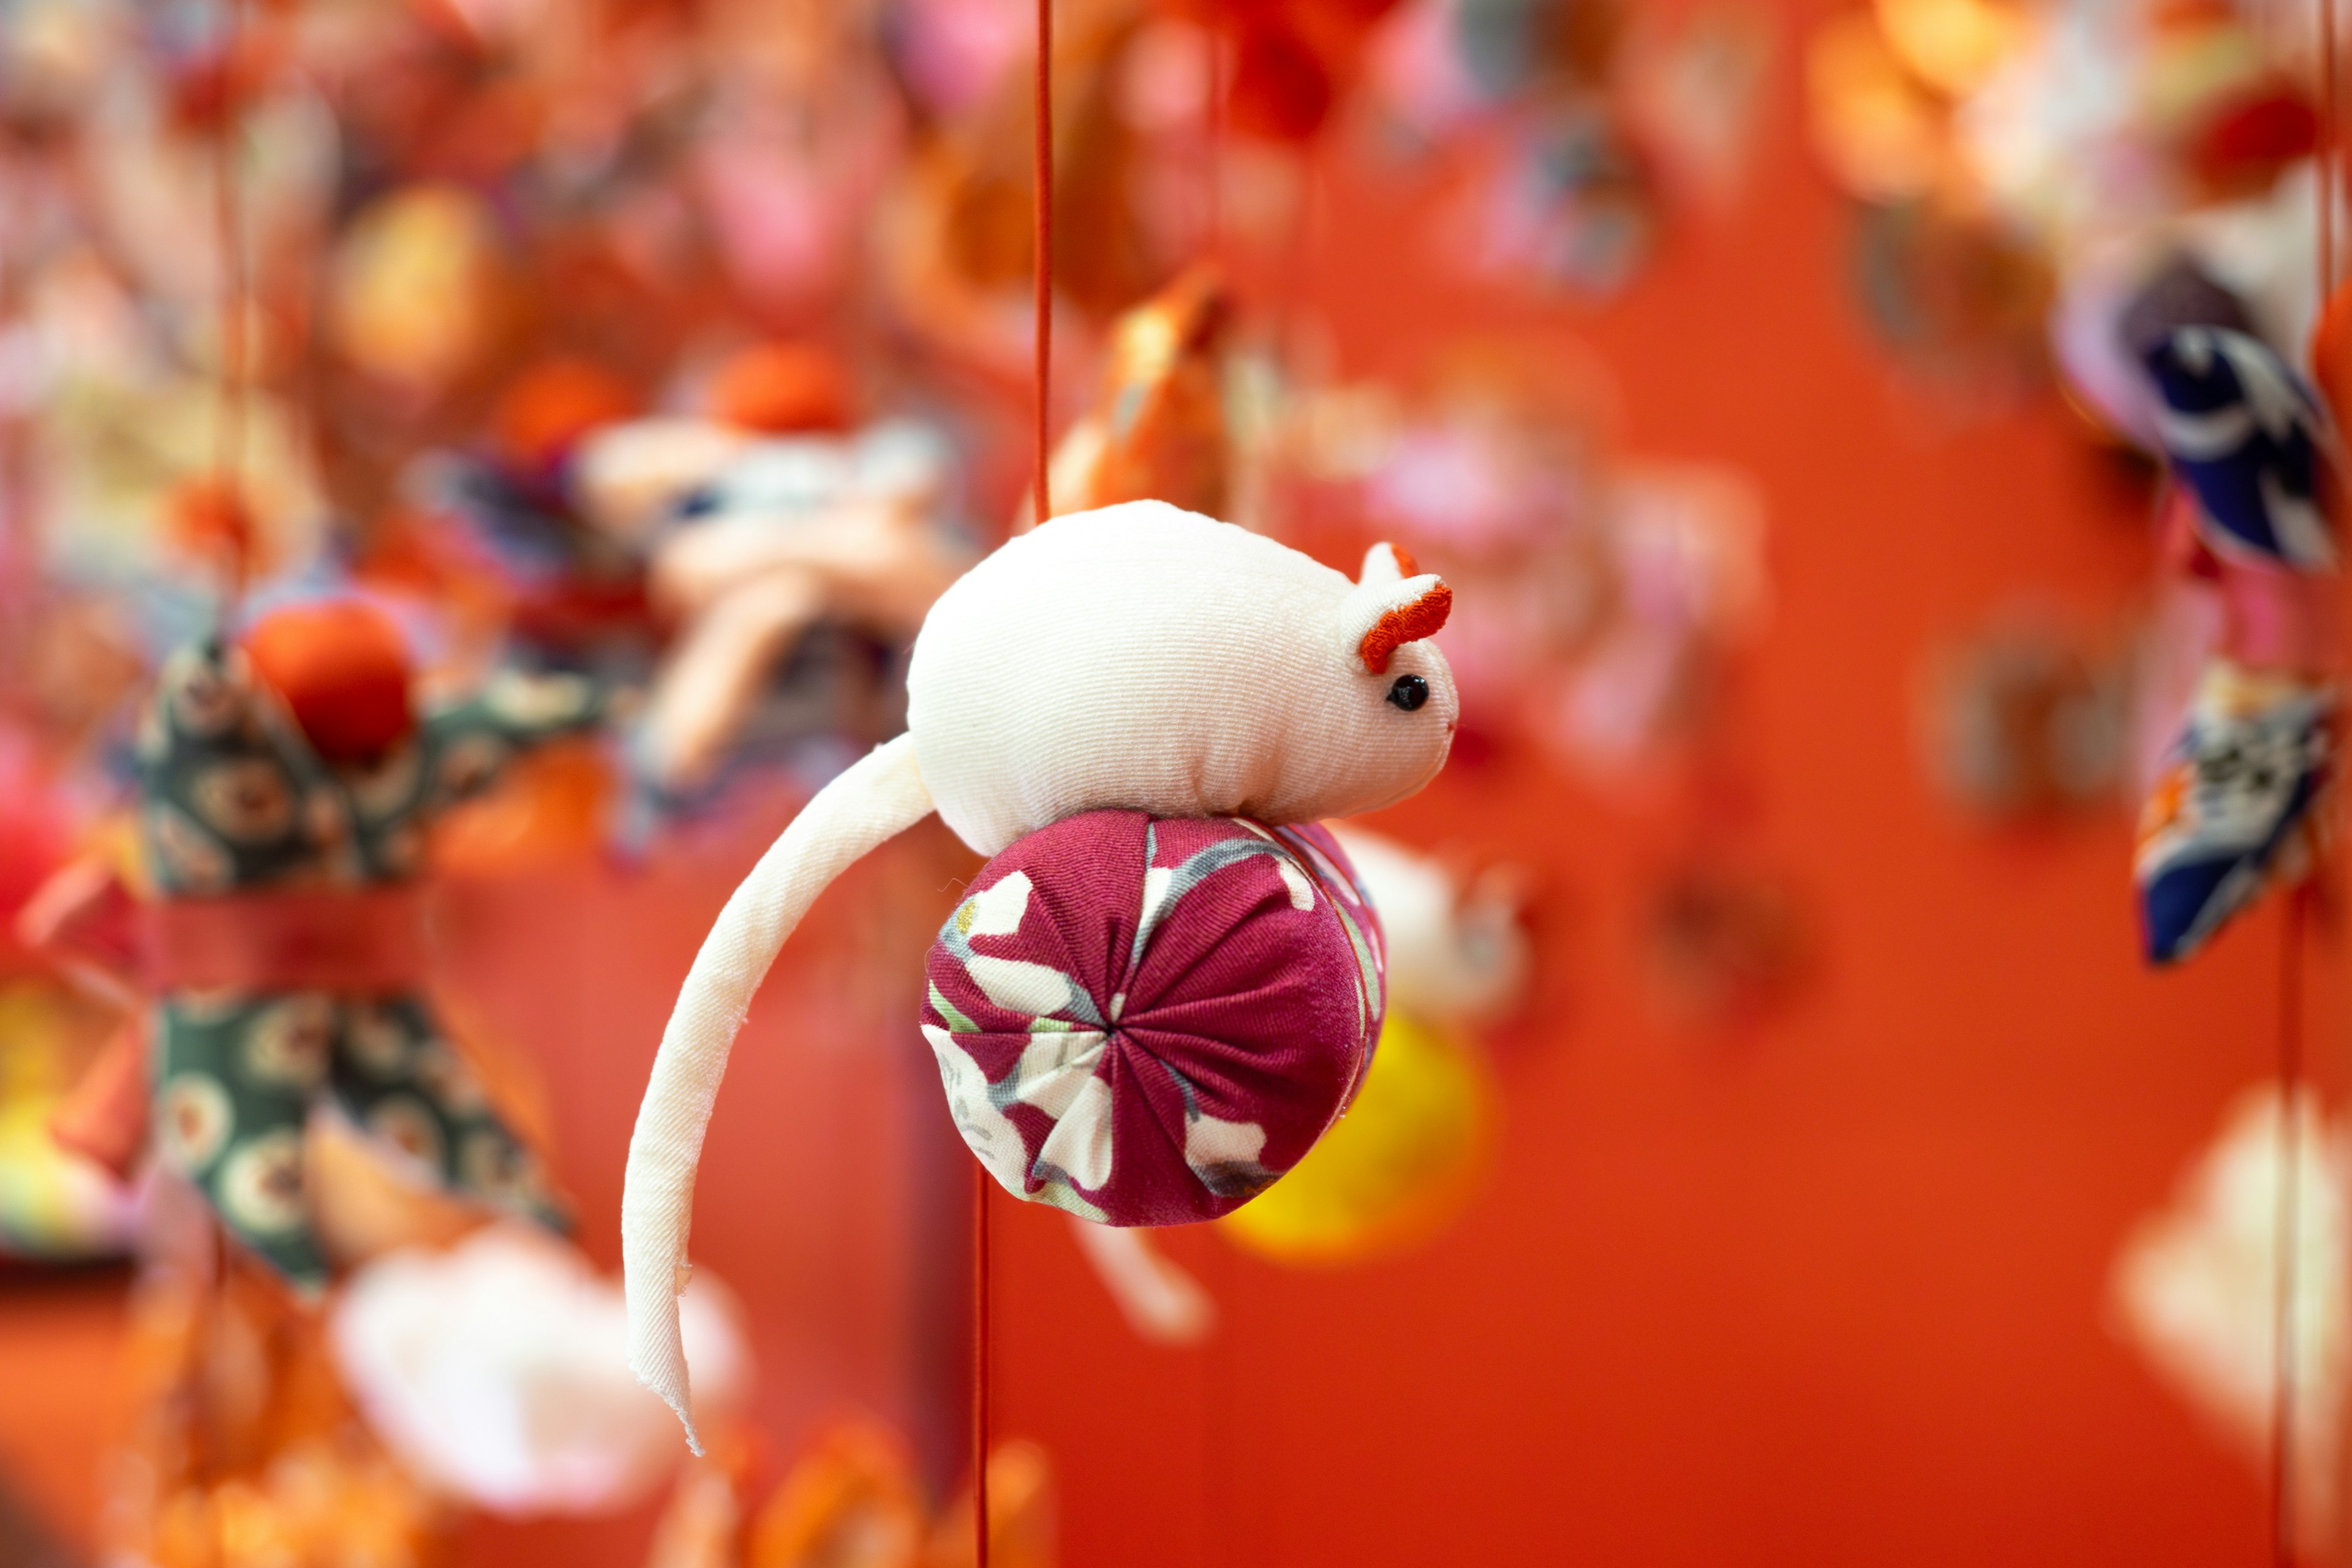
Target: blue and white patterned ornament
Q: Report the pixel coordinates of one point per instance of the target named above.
(2231, 802)
(2252, 440)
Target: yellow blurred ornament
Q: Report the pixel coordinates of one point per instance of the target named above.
(1879, 130)
(1393, 1170)
(416, 290)
(1953, 45)
(52, 1203)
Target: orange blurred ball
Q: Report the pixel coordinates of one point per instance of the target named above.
(342, 668)
(548, 408)
(780, 389)
(207, 518)
(2331, 353)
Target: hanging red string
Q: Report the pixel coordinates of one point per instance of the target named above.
(2287, 1237)
(1042, 173)
(228, 456)
(2287, 1220)
(2325, 170)
(980, 1379)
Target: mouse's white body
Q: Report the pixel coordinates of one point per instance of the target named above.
(1133, 657)
(1159, 660)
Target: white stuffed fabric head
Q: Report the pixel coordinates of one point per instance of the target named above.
(1142, 658)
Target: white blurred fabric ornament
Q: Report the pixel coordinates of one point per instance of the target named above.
(1456, 952)
(498, 1372)
(2196, 1288)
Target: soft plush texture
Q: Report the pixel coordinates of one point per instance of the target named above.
(1147, 1021)
(1156, 659)
(1136, 658)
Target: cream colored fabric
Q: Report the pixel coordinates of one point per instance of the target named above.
(1135, 656)
(1156, 659)
(879, 796)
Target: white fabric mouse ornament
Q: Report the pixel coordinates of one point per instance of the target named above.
(1142, 669)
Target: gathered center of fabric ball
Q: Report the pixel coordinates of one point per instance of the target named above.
(1147, 1020)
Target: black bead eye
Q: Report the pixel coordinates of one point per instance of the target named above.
(1408, 691)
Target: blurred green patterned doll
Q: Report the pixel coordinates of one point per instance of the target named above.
(287, 783)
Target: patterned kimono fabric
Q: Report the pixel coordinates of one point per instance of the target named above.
(289, 946)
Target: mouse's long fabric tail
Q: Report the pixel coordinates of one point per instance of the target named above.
(877, 798)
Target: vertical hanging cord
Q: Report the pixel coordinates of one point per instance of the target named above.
(1214, 156)
(979, 1369)
(1042, 174)
(228, 457)
(2287, 1222)
(2325, 170)
(2288, 1235)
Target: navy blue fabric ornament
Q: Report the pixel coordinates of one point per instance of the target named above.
(2252, 440)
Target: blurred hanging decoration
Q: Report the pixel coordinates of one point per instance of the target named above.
(795, 553)
(1727, 941)
(2146, 176)
(2026, 719)
(2195, 1288)
(1406, 1159)
(119, 322)
(1567, 134)
(418, 291)
(955, 235)
(800, 129)
(2016, 167)
(1626, 592)
(54, 1205)
(1394, 1170)
(1158, 429)
(852, 1500)
(246, 1452)
(1622, 589)
(2253, 470)
(1183, 128)
(496, 1372)
(287, 781)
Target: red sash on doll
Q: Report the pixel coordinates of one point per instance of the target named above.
(364, 941)
(349, 940)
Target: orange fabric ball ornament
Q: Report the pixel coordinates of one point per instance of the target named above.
(2331, 353)
(551, 408)
(341, 667)
(781, 389)
(208, 519)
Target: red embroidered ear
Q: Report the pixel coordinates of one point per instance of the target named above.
(1407, 622)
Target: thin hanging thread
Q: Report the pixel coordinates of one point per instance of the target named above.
(2288, 1238)
(1042, 173)
(2287, 1235)
(1213, 155)
(2327, 171)
(980, 1369)
(228, 456)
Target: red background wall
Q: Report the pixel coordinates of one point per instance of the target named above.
(1832, 1290)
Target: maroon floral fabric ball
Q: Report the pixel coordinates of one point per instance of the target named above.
(1147, 1020)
